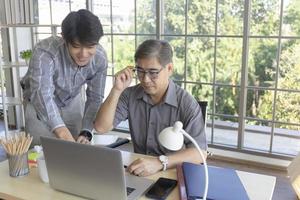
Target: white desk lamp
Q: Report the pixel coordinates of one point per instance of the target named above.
(172, 139)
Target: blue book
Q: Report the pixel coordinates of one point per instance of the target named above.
(224, 183)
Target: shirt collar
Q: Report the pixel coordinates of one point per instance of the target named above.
(170, 97)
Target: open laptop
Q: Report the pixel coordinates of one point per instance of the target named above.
(93, 172)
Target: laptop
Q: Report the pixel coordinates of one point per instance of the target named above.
(94, 172)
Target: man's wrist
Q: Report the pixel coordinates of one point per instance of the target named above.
(164, 161)
(86, 134)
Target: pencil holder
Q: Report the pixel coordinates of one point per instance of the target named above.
(18, 164)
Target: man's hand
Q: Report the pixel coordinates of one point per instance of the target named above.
(145, 166)
(83, 140)
(123, 79)
(63, 133)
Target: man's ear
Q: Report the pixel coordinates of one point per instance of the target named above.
(170, 68)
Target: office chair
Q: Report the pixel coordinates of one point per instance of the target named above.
(203, 106)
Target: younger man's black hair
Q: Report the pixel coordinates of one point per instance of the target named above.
(83, 27)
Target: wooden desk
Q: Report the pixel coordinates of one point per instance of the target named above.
(258, 187)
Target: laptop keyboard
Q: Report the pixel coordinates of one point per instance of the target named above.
(129, 190)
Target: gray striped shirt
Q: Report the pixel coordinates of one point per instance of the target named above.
(53, 80)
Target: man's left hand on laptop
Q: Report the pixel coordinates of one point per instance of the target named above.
(145, 166)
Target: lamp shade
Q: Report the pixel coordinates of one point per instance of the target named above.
(171, 137)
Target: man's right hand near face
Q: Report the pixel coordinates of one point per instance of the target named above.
(105, 116)
(123, 79)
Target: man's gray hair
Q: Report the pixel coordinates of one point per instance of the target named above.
(159, 49)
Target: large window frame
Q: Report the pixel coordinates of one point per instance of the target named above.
(240, 128)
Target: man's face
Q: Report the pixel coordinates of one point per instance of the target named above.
(81, 54)
(154, 77)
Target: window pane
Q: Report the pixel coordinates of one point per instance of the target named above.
(200, 59)
(108, 85)
(60, 9)
(260, 104)
(123, 16)
(146, 16)
(43, 12)
(286, 140)
(257, 135)
(229, 60)
(201, 92)
(101, 8)
(124, 47)
(201, 17)
(288, 107)
(227, 100)
(106, 44)
(289, 65)
(177, 44)
(262, 62)
(225, 131)
(291, 18)
(264, 19)
(78, 4)
(230, 17)
(173, 16)
(141, 39)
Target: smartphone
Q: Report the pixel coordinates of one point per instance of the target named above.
(161, 188)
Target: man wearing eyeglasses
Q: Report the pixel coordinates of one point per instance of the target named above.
(150, 106)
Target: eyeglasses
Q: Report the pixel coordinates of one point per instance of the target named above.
(152, 73)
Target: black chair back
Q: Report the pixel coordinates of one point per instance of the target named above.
(203, 106)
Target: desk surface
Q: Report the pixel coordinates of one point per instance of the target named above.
(258, 187)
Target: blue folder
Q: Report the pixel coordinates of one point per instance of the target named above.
(224, 183)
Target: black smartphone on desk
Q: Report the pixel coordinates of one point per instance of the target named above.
(161, 188)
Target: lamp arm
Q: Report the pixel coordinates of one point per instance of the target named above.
(203, 159)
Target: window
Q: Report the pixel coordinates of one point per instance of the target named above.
(223, 51)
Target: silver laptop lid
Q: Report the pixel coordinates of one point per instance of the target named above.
(90, 171)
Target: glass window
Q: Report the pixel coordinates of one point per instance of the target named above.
(178, 56)
(102, 8)
(264, 17)
(229, 60)
(291, 18)
(230, 17)
(201, 17)
(146, 17)
(173, 16)
(123, 16)
(260, 103)
(262, 62)
(200, 59)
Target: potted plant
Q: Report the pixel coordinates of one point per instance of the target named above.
(26, 55)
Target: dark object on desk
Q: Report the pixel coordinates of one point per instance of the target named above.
(161, 188)
(86, 134)
(181, 183)
(224, 184)
(119, 142)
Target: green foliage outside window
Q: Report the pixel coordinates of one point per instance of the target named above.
(200, 47)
